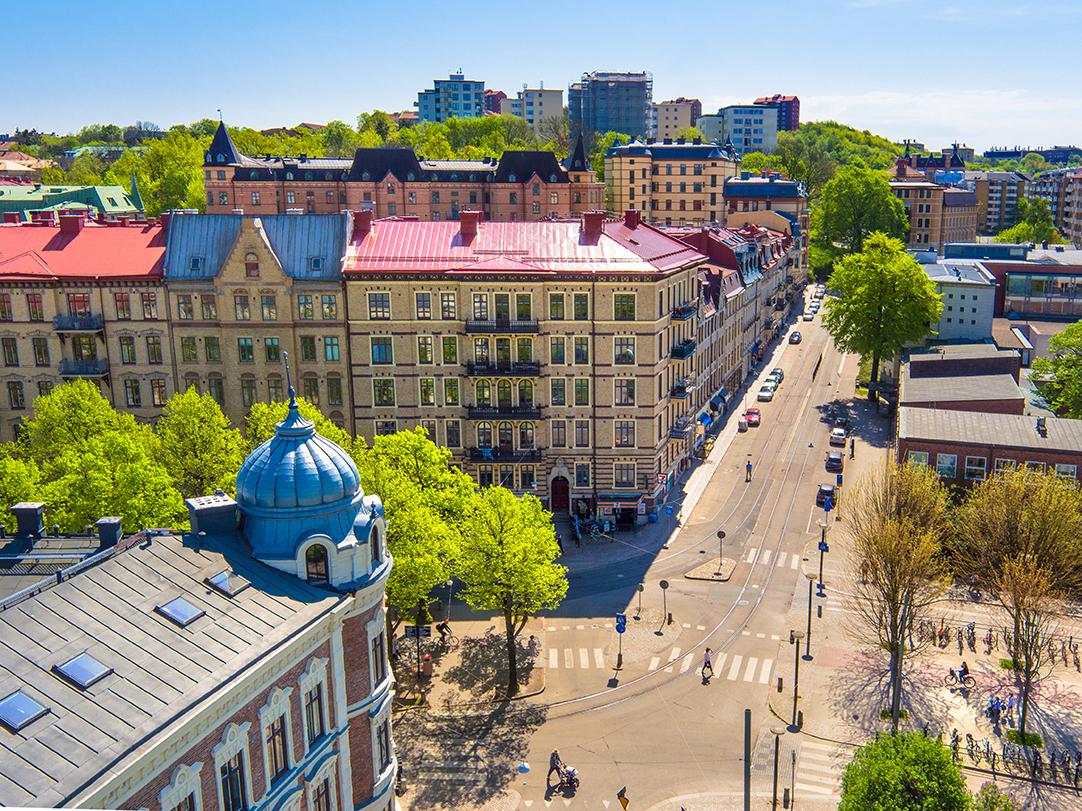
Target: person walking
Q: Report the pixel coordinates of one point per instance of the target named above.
(747, 471)
(852, 447)
(1010, 709)
(555, 765)
(708, 663)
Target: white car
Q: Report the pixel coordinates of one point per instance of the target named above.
(837, 437)
(766, 394)
(808, 316)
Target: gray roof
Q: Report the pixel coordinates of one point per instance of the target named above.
(23, 566)
(162, 670)
(961, 387)
(952, 271)
(960, 351)
(1001, 430)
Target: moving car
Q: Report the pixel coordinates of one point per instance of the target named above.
(766, 394)
(837, 437)
(779, 373)
(835, 462)
(794, 337)
(753, 416)
(825, 491)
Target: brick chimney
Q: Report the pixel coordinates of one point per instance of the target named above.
(11, 217)
(362, 221)
(123, 219)
(71, 223)
(469, 222)
(632, 218)
(591, 224)
(164, 219)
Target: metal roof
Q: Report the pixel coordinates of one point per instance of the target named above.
(999, 430)
(45, 253)
(950, 388)
(205, 237)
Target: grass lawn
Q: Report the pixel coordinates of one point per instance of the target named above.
(864, 373)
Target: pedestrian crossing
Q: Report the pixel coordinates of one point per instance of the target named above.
(750, 669)
(819, 769)
(763, 557)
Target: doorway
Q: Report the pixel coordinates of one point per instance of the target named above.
(559, 494)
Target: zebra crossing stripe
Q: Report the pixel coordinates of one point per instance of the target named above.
(795, 562)
(672, 658)
(685, 666)
(719, 662)
(764, 674)
(599, 657)
(554, 658)
(569, 658)
(734, 671)
(750, 556)
(654, 664)
(584, 658)
(780, 562)
(749, 672)
(765, 557)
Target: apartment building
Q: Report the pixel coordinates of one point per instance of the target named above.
(968, 291)
(1062, 190)
(83, 300)
(788, 108)
(610, 101)
(535, 105)
(675, 183)
(997, 194)
(453, 97)
(520, 185)
(668, 119)
(749, 127)
(937, 214)
(242, 292)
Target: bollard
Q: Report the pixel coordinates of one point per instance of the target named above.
(670, 618)
(800, 719)
(785, 797)
(779, 684)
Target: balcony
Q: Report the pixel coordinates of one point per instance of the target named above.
(505, 454)
(84, 368)
(683, 312)
(683, 350)
(78, 323)
(682, 389)
(504, 369)
(521, 412)
(475, 325)
(681, 428)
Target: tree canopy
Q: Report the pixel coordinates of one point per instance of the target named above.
(199, 448)
(903, 772)
(1060, 374)
(854, 203)
(1034, 224)
(262, 418)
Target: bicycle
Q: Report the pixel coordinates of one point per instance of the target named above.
(971, 748)
(448, 641)
(952, 679)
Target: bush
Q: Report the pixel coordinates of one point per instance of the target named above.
(886, 714)
(1032, 739)
(1006, 664)
(902, 772)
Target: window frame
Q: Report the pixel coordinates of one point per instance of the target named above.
(234, 741)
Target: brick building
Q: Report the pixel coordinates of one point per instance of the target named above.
(788, 108)
(220, 668)
(937, 214)
(520, 185)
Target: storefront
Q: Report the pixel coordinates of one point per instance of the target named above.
(625, 510)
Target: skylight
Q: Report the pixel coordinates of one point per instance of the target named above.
(228, 583)
(19, 709)
(83, 670)
(181, 611)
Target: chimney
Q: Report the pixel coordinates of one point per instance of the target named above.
(632, 218)
(469, 221)
(164, 218)
(591, 224)
(11, 217)
(71, 223)
(123, 219)
(362, 221)
(1042, 426)
(745, 175)
(29, 520)
(109, 530)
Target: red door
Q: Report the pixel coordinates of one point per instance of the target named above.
(560, 499)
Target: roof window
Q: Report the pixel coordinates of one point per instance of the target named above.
(83, 670)
(228, 582)
(19, 709)
(196, 264)
(315, 263)
(180, 611)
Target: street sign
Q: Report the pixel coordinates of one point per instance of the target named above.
(823, 546)
(621, 623)
(828, 504)
(668, 509)
(418, 631)
(839, 480)
(721, 535)
(664, 584)
(661, 478)
(624, 801)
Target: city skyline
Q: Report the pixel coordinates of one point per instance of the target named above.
(952, 86)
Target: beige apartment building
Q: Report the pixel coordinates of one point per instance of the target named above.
(245, 291)
(937, 214)
(672, 183)
(670, 118)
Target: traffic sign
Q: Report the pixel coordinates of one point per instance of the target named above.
(823, 546)
(668, 509)
(621, 796)
(828, 504)
(418, 631)
(621, 623)
(664, 584)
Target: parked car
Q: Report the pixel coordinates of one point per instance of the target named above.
(825, 491)
(842, 422)
(808, 315)
(753, 416)
(779, 373)
(794, 337)
(766, 394)
(835, 462)
(837, 437)
(814, 306)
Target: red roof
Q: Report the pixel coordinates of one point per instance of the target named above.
(547, 247)
(33, 252)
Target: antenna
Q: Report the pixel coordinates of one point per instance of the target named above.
(219, 115)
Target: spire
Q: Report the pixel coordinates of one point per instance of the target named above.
(578, 157)
(222, 151)
(906, 155)
(294, 424)
(289, 384)
(136, 198)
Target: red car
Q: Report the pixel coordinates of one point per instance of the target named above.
(752, 416)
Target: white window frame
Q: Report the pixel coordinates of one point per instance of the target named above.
(1036, 467)
(1065, 471)
(375, 722)
(315, 674)
(328, 771)
(373, 628)
(940, 457)
(918, 457)
(186, 781)
(277, 706)
(634, 393)
(1003, 465)
(234, 741)
(984, 469)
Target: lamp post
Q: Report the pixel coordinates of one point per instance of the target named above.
(777, 732)
(721, 549)
(794, 640)
(822, 550)
(811, 582)
(450, 589)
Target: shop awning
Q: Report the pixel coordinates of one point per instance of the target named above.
(630, 500)
(705, 418)
(719, 399)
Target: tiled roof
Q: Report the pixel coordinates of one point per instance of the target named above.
(34, 252)
(977, 428)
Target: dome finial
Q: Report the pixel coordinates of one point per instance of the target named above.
(289, 383)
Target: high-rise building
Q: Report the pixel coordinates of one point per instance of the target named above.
(453, 97)
(608, 101)
(670, 118)
(493, 100)
(998, 194)
(535, 105)
(750, 128)
(788, 108)
(1062, 190)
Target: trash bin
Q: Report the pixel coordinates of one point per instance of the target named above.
(426, 665)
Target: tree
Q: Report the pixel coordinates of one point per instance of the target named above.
(804, 160)
(263, 418)
(1060, 373)
(756, 162)
(689, 134)
(378, 122)
(856, 202)
(67, 418)
(903, 772)
(885, 300)
(1034, 224)
(844, 145)
(339, 139)
(1033, 163)
(507, 563)
(990, 798)
(199, 448)
(20, 480)
(898, 519)
(602, 143)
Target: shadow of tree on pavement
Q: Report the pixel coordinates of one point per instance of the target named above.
(481, 670)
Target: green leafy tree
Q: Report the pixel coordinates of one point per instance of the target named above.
(262, 419)
(884, 300)
(1033, 163)
(1034, 224)
(903, 772)
(378, 122)
(756, 162)
(602, 143)
(805, 160)
(198, 446)
(20, 480)
(1060, 373)
(856, 202)
(339, 139)
(69, 417)
(990, 798)
(507, 563)
(844, 145)
(689, 134)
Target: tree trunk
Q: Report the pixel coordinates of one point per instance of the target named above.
(896, 687)
(1014, 642)
(873, 378)
(1023, 712)
(512, 659)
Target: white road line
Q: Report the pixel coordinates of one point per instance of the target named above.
(775, 637)
(672, 658)
(700, 627)
(765, 557)
(554, 658)
(654, 664)
(750, 558)
(685, 666)
(566, 628)
(569, 658)
(584, 658)
(551, 628)
(795, 562)
(580, 627)
(719, 662)
(749, 672)
(764, 672)
(781, 560)
(746, 633)
(687, 624)
(761, 636)
(599, 658)
(814, 789)
(734, 671)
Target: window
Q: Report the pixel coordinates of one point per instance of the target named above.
(11, 351)
(212, 348)
(245, 350)
(132, 394)
(450, 349)
(272, 349)
(484, 435)
(330, 348)
(308, 347)
(37, 308)
(83, 347)
(305, 310)
(582, 475)
(523, 307)
(381, 351)
(241, 309)
(383, 391)
(624, 433)
(524, 350)
(450, 391)
(209, 305)
(41, 349)
(157, 392)
(379, 306)
(154, 349)
(44, 387)
(425, 352)
(150, 306)
(480, 350)
(234, 789)
(386, 427)
(624, 350)
(277, 757)
(122, 301)
(188, 349)
(582, 306)
(255, 198)
(582, 349)
(1067, 471)
(424, 306)
(78, 304)
(268, 306)
(623, 307)
(558, 391)
(559, 433)
(383, 745)
(918, 457)
(180, 611)
(480, 306)
(316, 567)
(582, 433)
(556, 306)
(185, 310)
(454, 434)
(1036, 467)
(582, 391)
(311, 389)
(624, 392)
(976, 468)
(16, 397)
(379, 648)
(247, 392)
(428, 391)
(624, 474)
(946, 465)
(274, 390)
(334, 390)
(557, 348)
(313, 713)
(448, 306)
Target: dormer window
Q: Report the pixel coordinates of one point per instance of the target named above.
(316, 566)
(552, 178)
(251, 266)
(315, 264)
(512, 178)
(196, 264)
(221, 158)
(208, 158)
(409, 176)
(289, 175)
(365, 175)
(454, 177)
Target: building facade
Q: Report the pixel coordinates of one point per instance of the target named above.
(997, 194)
(1062, 190)
(968, 292)
(670, 118)
(494, 100)
(453, 97)
(520, 185)
(788, 108)
(750, 128)
(535, 105)
(675, 183)
(937, 214)
(105, 201)
(605, 101)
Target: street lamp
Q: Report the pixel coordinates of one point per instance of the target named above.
(450, 588)
(811, 581)
(777, 732)
(794, 640)
(721, 550)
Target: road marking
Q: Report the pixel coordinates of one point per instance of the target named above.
(685, 666)
(746, 633)
(599, 657)
(780, 563)
(580, 627)
(584, 658)
(765, 557)
(569, 658)
(749, 672)
(755, 585)
(554, 658)
(700, 627)
(761, 636)
(819, 769)
(750, 556)
(775, 637)
(764, 673)
(734, 671)
(551, 628)
(672, 658)
(654, 664)
(795, 562)
(566, 628)
(719, 662)
(687, 624)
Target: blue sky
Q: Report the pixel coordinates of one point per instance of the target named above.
(986, 73)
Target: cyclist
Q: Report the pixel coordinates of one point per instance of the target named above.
(445, 631)
(963, 671)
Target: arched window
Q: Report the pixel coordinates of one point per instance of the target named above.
(484, 393)
(251, 265)
(409, 176)
(512, 178)
(552, 178)
(525, 393)
(484, 435)
(289, 175)
(454, 177)
(375, 547)
(503, 394)
(525, 436)
(365, 175)
(316, 567)
(536, 189)
(221, 158)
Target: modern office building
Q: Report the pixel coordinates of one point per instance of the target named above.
(968, 291)
(453, 97)
(609, 101)
(788, 108)
(750, 128)
(535, 105)
(670, 118)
